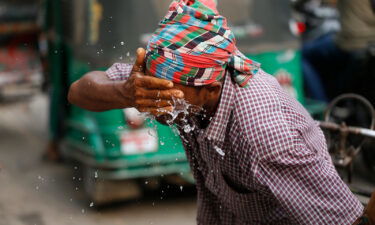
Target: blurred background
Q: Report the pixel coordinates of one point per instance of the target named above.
(60, 164)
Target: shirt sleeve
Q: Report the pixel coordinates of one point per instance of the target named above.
(292, 162)
(119, 71)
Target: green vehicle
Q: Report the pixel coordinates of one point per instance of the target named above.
(121, 151)
(118, 148)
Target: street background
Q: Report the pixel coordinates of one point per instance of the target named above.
(35, 192)
(50, 150)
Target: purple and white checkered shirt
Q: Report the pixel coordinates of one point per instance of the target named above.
(263, 160)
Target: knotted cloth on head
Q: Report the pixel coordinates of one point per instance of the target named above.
(193, 46)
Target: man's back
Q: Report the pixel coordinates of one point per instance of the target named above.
(263, 160)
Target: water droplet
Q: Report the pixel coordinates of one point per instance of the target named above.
(41, 178)
(128, 54)
(91, 204)
(146, 182)
(83, 210)
(37, 187)
(96, 174)
(181, 188)
(220, 151)
(122, 43)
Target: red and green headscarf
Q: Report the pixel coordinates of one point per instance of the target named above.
(193, 46)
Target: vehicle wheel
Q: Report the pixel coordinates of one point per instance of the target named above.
(353, 110)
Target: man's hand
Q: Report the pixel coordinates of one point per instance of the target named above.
(370, 210)
(147, 93)
(96, 92)
(369, 213)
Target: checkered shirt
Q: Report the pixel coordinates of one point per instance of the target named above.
(263, 160)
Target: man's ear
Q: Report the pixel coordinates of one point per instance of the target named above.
(214, 89)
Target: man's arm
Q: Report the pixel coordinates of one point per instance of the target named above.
(304, 182)
(368, 217)
(97, 92)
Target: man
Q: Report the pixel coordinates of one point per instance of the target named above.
(256, 154)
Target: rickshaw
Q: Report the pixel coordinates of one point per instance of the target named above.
(120, 151)
(119, 148)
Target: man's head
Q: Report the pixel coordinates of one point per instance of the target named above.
(194, 48)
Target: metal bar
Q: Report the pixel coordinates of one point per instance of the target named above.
(354, 130)
(368, 133)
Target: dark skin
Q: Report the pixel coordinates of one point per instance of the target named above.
(96, 92)
(203, 100)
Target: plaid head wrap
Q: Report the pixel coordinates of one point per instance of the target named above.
(193, 46)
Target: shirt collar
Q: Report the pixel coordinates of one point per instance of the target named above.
(217, 127)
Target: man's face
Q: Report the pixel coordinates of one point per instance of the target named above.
(191, 105)
(200, 100)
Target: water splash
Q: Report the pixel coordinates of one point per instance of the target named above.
(219, 150)
(182, 110)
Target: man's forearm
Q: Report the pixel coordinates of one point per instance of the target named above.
(96, 92)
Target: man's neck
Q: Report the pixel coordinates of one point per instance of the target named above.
(203, 121)
(208, 113)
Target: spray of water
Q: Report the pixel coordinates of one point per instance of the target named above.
(182, 109)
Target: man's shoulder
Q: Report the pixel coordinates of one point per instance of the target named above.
(261, 92)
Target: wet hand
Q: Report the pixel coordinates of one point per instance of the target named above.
(149, 94)
(368, 216)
